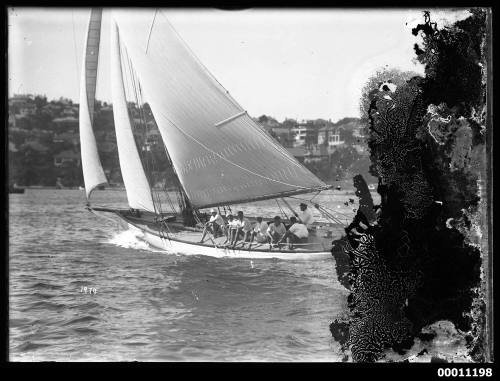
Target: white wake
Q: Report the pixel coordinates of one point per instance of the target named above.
(129, 239)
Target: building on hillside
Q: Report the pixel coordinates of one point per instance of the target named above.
(329, 136)
(67, 158)
(67, 123)
(305, 133)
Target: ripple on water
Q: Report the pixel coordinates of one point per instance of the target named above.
(82, 319)
(47, 286)
(31, 346)
(44, 305)
(86, 331)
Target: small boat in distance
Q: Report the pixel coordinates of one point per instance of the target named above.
(13, 188)
(220, 156)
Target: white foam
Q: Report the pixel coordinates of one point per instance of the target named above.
(130, 239)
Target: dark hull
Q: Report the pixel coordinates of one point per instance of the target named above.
(16, 190)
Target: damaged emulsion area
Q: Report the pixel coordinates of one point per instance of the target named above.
(417, 260)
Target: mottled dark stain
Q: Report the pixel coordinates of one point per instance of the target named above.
(415, 264)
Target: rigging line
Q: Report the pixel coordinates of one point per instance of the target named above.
(229, 161)
(281, 210)
(324, 209)
(136, 99)
(150, 30)
(316, 195)
(288, 205)
(169, 199)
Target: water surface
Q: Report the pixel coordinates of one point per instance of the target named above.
(151, 305)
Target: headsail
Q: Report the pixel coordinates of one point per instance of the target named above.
(220, 154)
(136, 184)
(93, 174)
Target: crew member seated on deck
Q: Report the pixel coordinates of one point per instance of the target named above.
(259, 232)
(305, 215)
(214, 225)
(240, 226)
(233, 224)
(275, 231)
(297, 233)
(227, 226)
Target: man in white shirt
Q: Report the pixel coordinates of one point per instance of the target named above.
(297, 233)
(229, 226)
(305, 215)
(259, 232)
(214, 225)
(275, 231)
(240, 226)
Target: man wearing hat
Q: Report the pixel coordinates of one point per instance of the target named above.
(214, 225)
(305, 215)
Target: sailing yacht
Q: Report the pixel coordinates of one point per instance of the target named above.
(219, 154)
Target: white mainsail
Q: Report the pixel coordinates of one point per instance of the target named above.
(93, 174)
(219, 153)
(136, 184)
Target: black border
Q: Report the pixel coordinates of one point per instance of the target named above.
(338, 369)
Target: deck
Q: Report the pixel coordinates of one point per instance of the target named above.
(320, 238)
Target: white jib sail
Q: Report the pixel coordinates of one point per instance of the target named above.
(219, 153)
(93, 174)
(136, 184)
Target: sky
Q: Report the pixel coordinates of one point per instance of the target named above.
(286, 63)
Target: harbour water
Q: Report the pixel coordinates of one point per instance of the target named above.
(150, 305)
